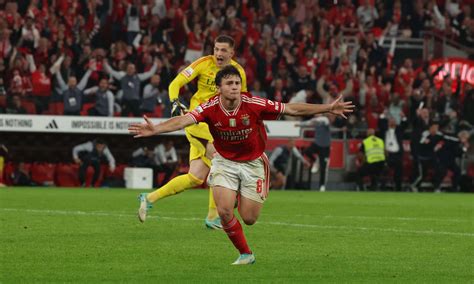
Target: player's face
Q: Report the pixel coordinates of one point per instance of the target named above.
(230, 87)
(223, 53)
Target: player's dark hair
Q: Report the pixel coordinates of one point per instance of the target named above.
(225, 39)
(225, 72)
(99, 141)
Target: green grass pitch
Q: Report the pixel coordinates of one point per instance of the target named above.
(51, 235)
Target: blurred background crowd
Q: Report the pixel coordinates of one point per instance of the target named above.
(292, 51)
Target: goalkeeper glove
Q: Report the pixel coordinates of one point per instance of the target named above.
(177, 108)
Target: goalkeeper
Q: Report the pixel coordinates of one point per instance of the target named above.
(201, 150)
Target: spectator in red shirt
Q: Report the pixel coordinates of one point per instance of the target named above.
(195, 38)
(41, 88)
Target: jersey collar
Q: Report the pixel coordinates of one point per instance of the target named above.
(229, 113)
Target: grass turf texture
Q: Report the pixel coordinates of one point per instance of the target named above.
(89, 236)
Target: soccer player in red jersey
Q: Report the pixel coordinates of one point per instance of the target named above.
(240, 165)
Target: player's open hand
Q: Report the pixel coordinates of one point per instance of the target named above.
(339, 107)
(142, 129)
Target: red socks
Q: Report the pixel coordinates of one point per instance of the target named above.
(236, 235)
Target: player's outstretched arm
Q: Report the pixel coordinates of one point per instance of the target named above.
(149, 129)
(338, 107)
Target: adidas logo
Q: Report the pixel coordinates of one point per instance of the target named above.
(218, 124)
(52, 125)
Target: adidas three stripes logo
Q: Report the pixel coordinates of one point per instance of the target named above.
(52, 125)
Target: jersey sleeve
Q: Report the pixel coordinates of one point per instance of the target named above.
(272, 110)
(199, 114)
(185, 76)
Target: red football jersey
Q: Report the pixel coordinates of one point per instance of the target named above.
(239, 135)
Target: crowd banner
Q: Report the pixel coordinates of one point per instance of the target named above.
(108, 125)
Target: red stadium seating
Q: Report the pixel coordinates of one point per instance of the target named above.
(336, 158)
(28, 106)
(90, 174)
(118, 173)
(56, 108)
(43, 173)
(67, 175)
(86, 107)
(470, 170)
(7, 173)
(354, 146)
(157, 113)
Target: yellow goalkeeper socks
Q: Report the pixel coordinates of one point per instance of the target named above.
(175, 186)
(212, 213)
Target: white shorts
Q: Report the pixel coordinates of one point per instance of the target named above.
(251, 178)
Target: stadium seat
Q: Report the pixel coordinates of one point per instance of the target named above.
(28, 106)
(118, 173)
(90, 174)
(470, 170)
(336, 160)
(43, 173)
(157, 113)
(56, 108)
(27, 167)
(3, 101)
(354, 146)
(67, 175)
(7, 173)
(86, 107)
(309, 133)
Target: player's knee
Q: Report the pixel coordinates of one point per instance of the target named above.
(226, 214)
(249, 220)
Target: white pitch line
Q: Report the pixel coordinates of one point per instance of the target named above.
(370, 229)
(392, 218)
(85, 213)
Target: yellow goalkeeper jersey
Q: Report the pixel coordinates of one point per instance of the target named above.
(206, 68)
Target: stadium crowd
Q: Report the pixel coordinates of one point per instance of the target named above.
(68, 57)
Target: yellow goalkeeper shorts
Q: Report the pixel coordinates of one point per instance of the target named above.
(198, 135)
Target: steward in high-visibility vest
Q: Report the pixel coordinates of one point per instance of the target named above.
(374, 149)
